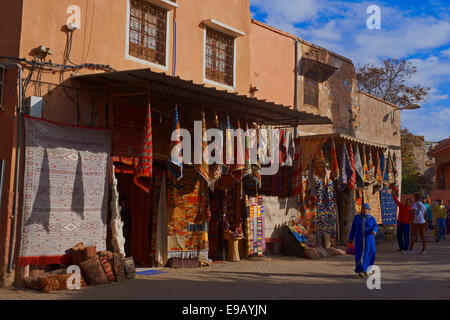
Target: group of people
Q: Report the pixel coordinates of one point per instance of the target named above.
(414, 219)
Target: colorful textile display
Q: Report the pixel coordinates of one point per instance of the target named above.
(373, 199)
(176, 158)
(366, 178)
(308, 220)
(187, 219)
(228, 156)
(290, 149)
(302, 236)
(352, 176)
(334, 162)
(379, 176)
(388, 208)
(255, 230)
(203, 168)
(133, 147)
(359, 168)
(256, 168)
(371, 168)
(237, 170)
(326, 208)
(143, 175)
(65, 190)
(346, 169)
(215, 169)
(297, 179)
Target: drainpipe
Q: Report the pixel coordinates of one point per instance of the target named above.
(296, 107)
(18, 155)
(174, 41)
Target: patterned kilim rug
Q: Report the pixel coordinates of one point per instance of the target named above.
(326, 208)
(388, 208)
(188, 221)
(65, 191)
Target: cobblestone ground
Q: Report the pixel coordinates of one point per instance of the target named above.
(402, 277)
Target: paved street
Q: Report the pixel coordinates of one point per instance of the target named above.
(403, 277)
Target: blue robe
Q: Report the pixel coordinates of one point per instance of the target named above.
(362, 262)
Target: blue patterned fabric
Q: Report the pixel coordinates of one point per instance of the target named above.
(388, 208)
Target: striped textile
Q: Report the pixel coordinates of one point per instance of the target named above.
(359, 168)
(366, 178)
(334, 162)
(247, 168)
(215, 170)
(352, 178)
(143, 175)
(297, 179)
(283, 149)
(255, 230)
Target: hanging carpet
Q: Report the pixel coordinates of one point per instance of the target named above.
(388, 208)
(65, 190)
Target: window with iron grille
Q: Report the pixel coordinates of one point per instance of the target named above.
(311, 92)
(219, 57)
(148, 27)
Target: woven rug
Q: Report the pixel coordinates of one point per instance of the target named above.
(302, 236)
(65, 190)
(188, 222)
(326, 208)
(388, 208)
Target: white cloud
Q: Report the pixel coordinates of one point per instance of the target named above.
(430, 121)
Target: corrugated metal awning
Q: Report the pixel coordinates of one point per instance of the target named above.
(175, 89)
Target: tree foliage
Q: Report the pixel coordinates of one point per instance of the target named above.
(388, 82)
(412, 180)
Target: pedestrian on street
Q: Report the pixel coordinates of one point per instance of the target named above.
(429, 214)
(419, 225)
(440, 216)
(404, 220)
(364, 229)
(448, 217)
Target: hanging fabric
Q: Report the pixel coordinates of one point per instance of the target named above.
(161, 226)
(283, 149)
(263, 146)
(372, 168)
(143, 175)
(203, 168)
(359, 169)
(366, 168)
(248, 168)
(229, 149)
(256, 168)
(346, 169)
(290, 149)
(237, 170)
(215, 169)
(176, 158)
(379, 176)
(297, 187)
(334, 162)
(319, 163)
(352, 176)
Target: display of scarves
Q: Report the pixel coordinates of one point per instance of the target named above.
(290, 149)
(263, 146)
(133, 147)
(359, 169)
(326, 208)
(297, 173)
(394, 167)
(255, 230)
(237, 170)
(176, 159)
(352, 176)
(308, 220)
(388, 208)
(203, 168)
(379, 176)
(346, 169)
(334, 162)
(247, 167)
(373, 199)
(187, 218)
(228, 156)
(215, 169)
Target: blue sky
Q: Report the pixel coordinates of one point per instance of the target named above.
(416, 30)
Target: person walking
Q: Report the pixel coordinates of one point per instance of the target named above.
(364, 229)
(403, 223)
(440, 216)
(419, 225)
(429, 214)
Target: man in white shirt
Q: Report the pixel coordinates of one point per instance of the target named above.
(419, 224)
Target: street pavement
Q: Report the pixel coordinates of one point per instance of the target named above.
(403, 276)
